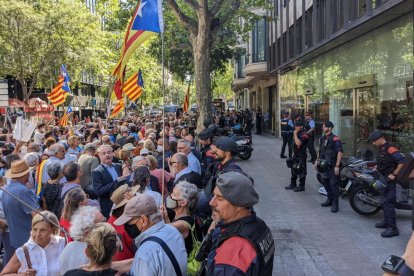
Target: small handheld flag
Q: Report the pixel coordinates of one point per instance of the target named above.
(133, 88)
(118, 108)
(65, 118)
(61, 90)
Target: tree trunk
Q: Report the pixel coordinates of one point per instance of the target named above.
(202, 67)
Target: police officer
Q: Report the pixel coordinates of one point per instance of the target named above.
(287, 134)
(207, 158)
(300, 139)
(310, 130)
(330, 149)
(389, 163)
(242, 243)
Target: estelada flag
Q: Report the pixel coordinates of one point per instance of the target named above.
(62, 89)
(118, 108)
(65, 118)
(146, 22)
(133, 86)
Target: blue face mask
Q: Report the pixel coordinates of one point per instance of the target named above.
(2, 171)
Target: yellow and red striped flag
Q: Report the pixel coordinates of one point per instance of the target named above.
(133, 86)
(65, 118)
(146, 22)
(58, 95)
(118, 108)
(186, 100)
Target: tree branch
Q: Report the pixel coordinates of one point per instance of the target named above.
(193, 4)
(216, 7)
(234, 6)
(188, 23)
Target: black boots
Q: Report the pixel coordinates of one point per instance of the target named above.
(334, 208)
(390, 232)
(299, 189)
(290, 187)
(327, 203)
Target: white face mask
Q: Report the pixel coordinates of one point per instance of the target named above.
(172, 203)
(159, 148)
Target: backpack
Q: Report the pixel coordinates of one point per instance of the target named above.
(193, 266)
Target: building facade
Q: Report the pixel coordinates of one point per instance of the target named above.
(348, 61)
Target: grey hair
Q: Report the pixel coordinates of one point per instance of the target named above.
(36, 145)
(181, 158)
(82, 221)
(155, 217)
(138, 159)
(189, 192)
(32, 159)
(54, 169)
(53, 149)
(185, 142)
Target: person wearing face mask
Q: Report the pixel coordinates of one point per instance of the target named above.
(183, 200)
(161, 250)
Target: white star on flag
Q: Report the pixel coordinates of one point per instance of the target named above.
(141, 6)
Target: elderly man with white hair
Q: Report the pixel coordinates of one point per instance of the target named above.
(57, 152)
(184, 146)
(82, 222)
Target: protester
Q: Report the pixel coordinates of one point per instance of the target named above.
(141, 178)
(179, 166)
(82, 222)
(40, 255)
(52, 188)
(88, 162)
(153, 237)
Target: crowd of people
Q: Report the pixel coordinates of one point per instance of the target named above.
(130, 197)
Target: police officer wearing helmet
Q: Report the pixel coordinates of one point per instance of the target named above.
(389, 163)
(287, 127)
(242, 243)
(330, 151)
(300, 139)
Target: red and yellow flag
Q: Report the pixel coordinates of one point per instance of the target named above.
(58, 95)
(118, 108)
(132, 89)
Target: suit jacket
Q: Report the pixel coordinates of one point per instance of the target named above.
(104, 186)
(191, 177)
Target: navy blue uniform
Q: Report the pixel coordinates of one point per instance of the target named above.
(388, 158)
(309, 125)
(329, 146)
(299, 156)
(286, 126)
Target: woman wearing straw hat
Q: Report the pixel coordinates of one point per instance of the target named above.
(40, 255)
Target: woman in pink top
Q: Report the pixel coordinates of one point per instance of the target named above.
(158, 174)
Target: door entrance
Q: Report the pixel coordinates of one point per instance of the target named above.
(356, 109)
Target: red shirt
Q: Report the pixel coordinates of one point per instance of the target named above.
(65, 225)
(126, 252)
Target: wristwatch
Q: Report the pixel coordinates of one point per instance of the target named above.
(397, 266)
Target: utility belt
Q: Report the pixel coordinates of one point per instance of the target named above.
(285, 131)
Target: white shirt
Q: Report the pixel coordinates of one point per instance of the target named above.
(73, 256)
(46, 260)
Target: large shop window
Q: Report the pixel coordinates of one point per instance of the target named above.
(259, 41)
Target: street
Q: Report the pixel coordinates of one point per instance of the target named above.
(310, 240)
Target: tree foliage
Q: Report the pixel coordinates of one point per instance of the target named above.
(37, 37)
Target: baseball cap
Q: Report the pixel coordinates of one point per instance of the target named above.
(238, 189)
(375, 135)
(205, 134)
(139, 205)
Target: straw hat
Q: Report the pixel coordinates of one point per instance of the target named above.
(117, 196)
(18, 169)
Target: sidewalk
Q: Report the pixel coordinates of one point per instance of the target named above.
(310, 240)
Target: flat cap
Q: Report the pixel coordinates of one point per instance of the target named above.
(237, 189)
(205, 134)
(375, 135)
(90, 146)
(329, 124)
(225, 144)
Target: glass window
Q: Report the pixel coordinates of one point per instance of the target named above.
(259, 41)
(321, 19)
(240, 66)
(308, 28)
(299, 36)
(291, 41)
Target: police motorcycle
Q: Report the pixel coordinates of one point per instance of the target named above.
(244, 143)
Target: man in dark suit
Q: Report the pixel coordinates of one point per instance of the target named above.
(179, 164)
(106, 178)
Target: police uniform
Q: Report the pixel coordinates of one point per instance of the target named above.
(329, 146)
(287, 135)
(388, 158)
(309, 125)
(299, 159)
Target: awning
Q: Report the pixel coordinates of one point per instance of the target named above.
(38, 105)
(16, 103)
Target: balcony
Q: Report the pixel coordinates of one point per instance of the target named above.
(241, 83)
(255, 69)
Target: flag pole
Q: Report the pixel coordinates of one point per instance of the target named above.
(163, 114)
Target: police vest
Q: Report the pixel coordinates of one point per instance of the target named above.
(327, 149)
(302, 148)
(284, 125)
(307, 126)
(385, 163)
(256, 231)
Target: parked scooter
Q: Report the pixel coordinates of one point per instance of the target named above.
(367, 192)
(244, 143)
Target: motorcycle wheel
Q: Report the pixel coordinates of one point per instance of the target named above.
(359, 205)
(245, 155)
